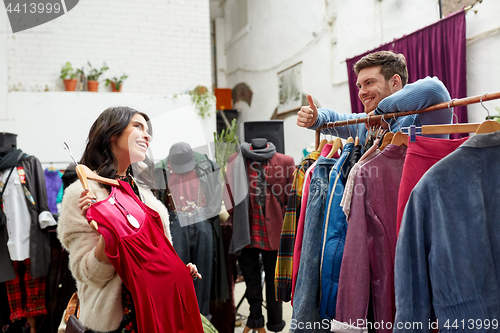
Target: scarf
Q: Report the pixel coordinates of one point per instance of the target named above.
(258, 155)
(241, 222)
(10, 160)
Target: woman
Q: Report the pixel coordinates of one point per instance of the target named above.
(118, 141)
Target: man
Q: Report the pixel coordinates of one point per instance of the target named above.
(382, 83)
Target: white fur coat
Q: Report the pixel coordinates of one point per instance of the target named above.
(99, 287)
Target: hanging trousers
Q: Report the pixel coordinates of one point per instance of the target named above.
(250, 268)
(194, 243)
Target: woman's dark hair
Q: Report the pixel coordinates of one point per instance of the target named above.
(98, 156)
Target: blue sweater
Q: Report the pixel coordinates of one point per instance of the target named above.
(414, 96)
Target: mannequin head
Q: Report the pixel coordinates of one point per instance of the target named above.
(259, 143)
(8, 142)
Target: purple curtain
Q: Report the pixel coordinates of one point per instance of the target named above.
(436, 50)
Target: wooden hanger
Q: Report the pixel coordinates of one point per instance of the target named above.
(337, 144)
(448, 129)
(322, 144)
(387, 139)
(387, 136)
(84, 173)
(349, 139)
(400, 139)
(488, 126)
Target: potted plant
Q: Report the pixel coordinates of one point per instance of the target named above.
(93, 76)
(203, 99)
(116, 83)
(68, 76)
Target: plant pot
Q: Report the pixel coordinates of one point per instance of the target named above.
(113, 87)
(70, 84)
(92, 85)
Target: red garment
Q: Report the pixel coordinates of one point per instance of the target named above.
(161, 285)
(26, 295)
(420, 156)
(185, 188)
(258, 230)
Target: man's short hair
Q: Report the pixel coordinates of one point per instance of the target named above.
(389, 62)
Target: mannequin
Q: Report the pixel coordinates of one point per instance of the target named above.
(259, 143)
(23, 260)
(193, 181)
(7, 143)
(257, 224)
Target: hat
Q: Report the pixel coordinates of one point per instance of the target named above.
(181, 157)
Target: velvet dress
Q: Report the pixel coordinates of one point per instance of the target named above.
(160, 283)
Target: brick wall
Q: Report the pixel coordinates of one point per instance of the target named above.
(163, 46)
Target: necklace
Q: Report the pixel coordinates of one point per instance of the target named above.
(131, 219)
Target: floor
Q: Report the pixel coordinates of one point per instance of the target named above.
(239, 290)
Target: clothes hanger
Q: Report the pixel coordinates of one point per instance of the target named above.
(446, 128)
(322, 144)
(336, 145)
(356, 141)
(387, 137)
(487, 126)
(349, 139)
(330, 142)
(83, 172)
(399, 138)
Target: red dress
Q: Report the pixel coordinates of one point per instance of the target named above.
(161, 285)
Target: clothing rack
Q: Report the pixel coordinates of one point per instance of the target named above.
(440, 106)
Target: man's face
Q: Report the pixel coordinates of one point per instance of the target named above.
(372, 87)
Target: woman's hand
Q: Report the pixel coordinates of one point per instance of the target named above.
(86, 199)
(99, 252)
(194, 271)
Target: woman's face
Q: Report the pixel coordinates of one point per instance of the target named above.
(131, 145)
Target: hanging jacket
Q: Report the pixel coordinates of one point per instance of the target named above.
(280, 177)
(284, 262)
(39, 211)
(333, 237)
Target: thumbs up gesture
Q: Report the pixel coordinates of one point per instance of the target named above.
(308, 114)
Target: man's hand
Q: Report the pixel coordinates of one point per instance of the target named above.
(379, 123)
(307, 114)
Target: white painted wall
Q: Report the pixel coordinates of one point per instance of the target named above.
(44, 120)
(3, 63)
(280, 35)
(163, 46)
(483, 50)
